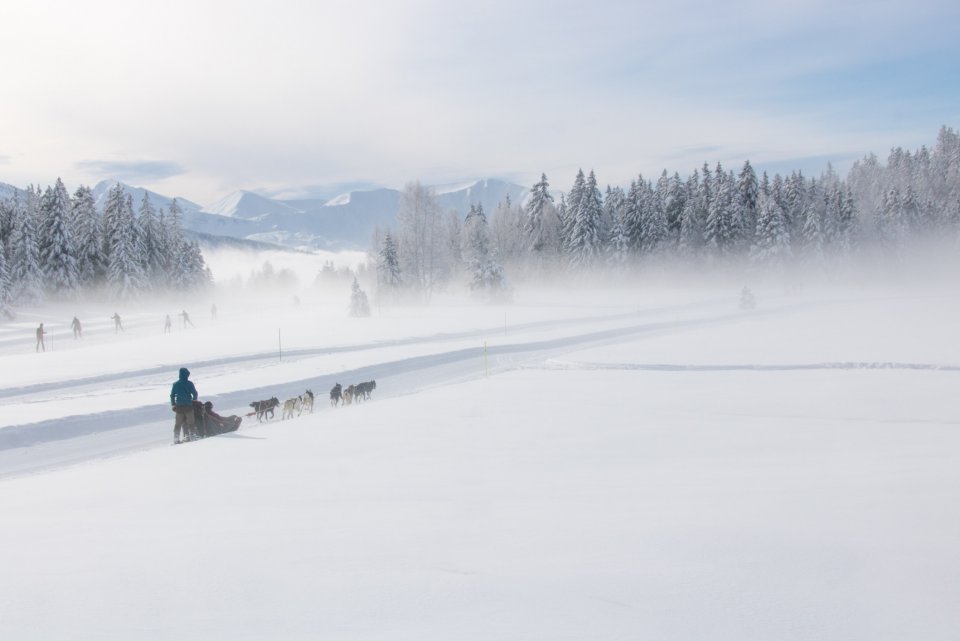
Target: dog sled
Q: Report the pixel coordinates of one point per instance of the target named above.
(209, 423)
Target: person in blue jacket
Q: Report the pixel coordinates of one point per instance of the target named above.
(182, 395)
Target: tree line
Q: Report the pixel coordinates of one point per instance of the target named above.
(54, 246)
(712, 217)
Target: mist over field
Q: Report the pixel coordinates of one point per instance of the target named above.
(287, 272)
(586, 459)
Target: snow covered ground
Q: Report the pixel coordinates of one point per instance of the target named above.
(649, 464)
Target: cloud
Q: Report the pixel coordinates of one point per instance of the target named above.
(438, 91)
(707, 151)
(131, 170)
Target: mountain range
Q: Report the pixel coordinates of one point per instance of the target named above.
(344, 222)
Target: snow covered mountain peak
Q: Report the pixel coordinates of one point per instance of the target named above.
(248, 205)
(227, 205)
(7, 191)
(342, 199)
(450, 188)
(136, 193)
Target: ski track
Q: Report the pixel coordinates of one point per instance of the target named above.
(670, 367)
(166, 368)
(33, 447)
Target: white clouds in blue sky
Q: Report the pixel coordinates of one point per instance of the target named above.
(286, 94)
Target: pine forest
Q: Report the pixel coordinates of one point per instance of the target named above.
(713, 217)
(60, 247)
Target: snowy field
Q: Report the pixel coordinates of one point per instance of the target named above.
(648, 464)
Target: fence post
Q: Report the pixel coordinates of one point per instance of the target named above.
(486, 370)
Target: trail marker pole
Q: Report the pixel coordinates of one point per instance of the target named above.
(486, 370)
(279, 345)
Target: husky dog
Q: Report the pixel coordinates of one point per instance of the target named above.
(335, 394)
(362, 390)
(290, 406)
(307, 401)
(262, 408)
(348, 395)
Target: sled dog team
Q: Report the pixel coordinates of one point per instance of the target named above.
(264, 410)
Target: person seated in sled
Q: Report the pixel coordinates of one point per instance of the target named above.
(200, 421)
(217, 424)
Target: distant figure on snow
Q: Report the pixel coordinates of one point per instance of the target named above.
(213, 311)
(167, 324)
(40, 334)
(117, 323)
(77, 331)
(186, 319)
(182, 395)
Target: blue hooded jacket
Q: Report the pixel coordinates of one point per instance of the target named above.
(183, 392)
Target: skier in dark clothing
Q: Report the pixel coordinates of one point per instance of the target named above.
(117, 323)
(186, 319)
(77, 330)
(40, 334)
(182, 395)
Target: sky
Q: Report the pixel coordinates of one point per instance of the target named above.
(299, 98)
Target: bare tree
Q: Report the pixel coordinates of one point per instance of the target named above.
(421, 238)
